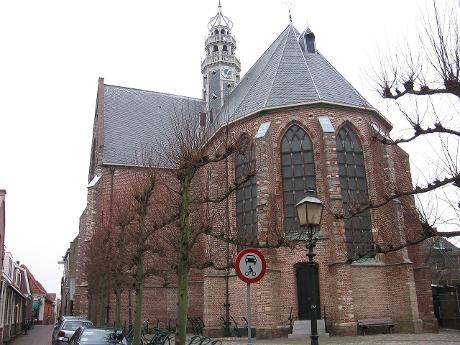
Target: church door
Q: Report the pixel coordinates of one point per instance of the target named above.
(306, 276)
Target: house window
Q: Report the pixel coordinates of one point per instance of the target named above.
(298, 171)
(353, 186)
(246, 197)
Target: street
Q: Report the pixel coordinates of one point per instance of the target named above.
(444, 337)
(39, 335)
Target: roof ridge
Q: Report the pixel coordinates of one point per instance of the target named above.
(226, 102)
(278, 67)
(151, 91)
(263, 69)
(308, 68)
(349, 84)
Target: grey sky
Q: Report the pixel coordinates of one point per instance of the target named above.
(52, 53)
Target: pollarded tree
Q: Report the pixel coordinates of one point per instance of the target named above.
(191, 153)
(98, 272)
(423, 83)
(149, 199)
(122, 218)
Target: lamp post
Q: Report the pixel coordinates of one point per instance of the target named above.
(309, 212)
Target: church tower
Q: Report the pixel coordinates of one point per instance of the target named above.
(220, 68)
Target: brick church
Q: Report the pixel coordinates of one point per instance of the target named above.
(311, 130)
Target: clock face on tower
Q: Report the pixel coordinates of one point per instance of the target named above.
(226, 73)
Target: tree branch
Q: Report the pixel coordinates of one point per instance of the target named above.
(230, 190)
(417, 190)
(419, 131)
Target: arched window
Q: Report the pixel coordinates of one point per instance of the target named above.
(298, 170)
(216, 32)
(353, 185)
(222, 32)
(224, 48)
(246, 196)
(215, 48)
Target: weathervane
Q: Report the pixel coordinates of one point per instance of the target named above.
(289, 4)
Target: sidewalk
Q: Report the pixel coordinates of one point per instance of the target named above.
(444, 337)
(39, 335)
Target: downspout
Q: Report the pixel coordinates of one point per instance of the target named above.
(227, 270)
(112, 173)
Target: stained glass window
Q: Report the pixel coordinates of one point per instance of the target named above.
(246, 197)
(298, 171)
(353, 185)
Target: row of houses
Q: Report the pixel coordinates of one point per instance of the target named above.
(23, 300)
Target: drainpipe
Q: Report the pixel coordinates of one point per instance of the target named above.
(112, 173)
(458, 301)
(227, 270)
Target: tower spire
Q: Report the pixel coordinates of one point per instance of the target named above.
(220, 68)
(290, 17)
(219, 10)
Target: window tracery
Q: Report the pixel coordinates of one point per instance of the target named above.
(246, 196)
(298, 172)
(353, 185)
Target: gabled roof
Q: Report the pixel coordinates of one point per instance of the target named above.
(34, 284)
(286, 75)
(51, 297)
(135, 120)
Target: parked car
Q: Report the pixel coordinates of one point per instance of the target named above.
(98, 336)
(67, 328)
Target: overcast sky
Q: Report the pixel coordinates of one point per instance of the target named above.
(52, 53)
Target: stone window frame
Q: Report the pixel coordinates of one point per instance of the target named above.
(300, 181)
(351, 165)
(246, 195)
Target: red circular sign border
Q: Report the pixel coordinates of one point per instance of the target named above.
(237, 265)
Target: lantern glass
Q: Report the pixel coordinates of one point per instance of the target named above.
(309, 211)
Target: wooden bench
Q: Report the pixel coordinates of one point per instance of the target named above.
(366, 323)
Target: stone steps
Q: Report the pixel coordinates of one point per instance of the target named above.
(302, 329)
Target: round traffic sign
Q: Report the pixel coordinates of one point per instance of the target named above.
(250, 265)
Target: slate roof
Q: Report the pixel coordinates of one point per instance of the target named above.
(286, 75)
(137, 120)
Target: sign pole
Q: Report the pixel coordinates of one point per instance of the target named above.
(248, 304)
(250, 267)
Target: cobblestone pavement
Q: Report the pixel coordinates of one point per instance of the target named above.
(444, 337)
(39, 335)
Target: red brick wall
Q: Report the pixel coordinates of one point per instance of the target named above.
(386, 287)
(349, 293)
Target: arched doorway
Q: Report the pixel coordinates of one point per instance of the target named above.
(306, 276)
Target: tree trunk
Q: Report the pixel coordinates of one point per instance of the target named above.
(101, 314)
(90, 307)
(183, 266)
(137, 316)
(118, 307)
(182, 304)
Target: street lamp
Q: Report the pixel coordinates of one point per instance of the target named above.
(309, 211)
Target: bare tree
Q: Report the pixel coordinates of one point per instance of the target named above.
(98, 272)
(191, 152)
(123, 217)
(423, 83)
(145, 248)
